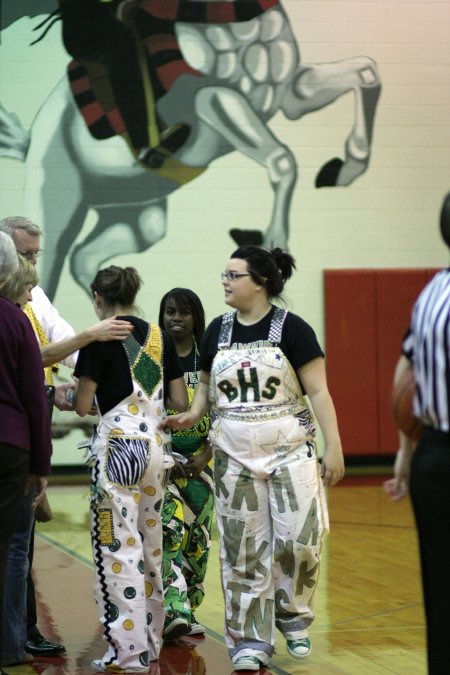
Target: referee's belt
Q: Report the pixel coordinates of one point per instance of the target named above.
(432, 434)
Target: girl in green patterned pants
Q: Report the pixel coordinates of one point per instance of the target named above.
(188, 503)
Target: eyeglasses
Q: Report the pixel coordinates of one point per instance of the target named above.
(31, 254)
(232, 276)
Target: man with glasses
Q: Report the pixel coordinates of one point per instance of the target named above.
(49, 327)
(27, 237)
(32, 255)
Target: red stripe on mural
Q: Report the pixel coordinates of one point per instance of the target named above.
(169, 73)
(92, 112)
(116, 121)
(220, 12)
(80, 85)
(216, 12)
(162, 9)
(160, 43)
(267, 4)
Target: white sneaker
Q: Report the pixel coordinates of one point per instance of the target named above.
(247, 663)
(298, 649)
(196, 627)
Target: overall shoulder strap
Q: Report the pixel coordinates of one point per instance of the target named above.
(226, 330)
(153, 346)
(276, 325)
(154, 343)
(145, 360)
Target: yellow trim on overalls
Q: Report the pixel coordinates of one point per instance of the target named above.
(153, 345)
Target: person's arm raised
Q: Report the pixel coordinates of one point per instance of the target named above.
(103, 331)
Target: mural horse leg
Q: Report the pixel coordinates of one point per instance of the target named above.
(316, 86)
(230, 114)
(313, 87)
(119, 229)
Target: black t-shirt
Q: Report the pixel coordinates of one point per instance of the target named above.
(106, 363)
(298, 340)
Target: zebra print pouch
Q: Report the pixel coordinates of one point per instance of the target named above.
(127, 459)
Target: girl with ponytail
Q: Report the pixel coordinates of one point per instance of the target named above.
(129, 457)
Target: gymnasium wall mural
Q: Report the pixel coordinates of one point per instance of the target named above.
(127, 131)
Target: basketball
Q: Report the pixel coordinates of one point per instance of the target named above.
(402, 406)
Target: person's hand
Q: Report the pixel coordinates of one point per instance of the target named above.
(181, 421)
(177, 471)
(61, 391)
(40, 485)
(396, 489)
(195, 464)
(398, 486)
(333, 469)
(110, 329)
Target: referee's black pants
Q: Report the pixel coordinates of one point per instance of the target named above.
(430, 494)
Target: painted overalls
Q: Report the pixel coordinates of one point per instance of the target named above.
(271, 510)
(129, 458)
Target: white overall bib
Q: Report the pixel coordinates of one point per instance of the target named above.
(129, 459)
(271, 509)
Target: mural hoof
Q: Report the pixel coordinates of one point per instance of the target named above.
(244, 237)
(328, 174)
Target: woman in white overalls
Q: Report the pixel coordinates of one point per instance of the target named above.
(129, 457)
(257, 363)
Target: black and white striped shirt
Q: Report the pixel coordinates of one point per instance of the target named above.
(427, 345)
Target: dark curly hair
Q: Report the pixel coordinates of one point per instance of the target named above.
(270, 268)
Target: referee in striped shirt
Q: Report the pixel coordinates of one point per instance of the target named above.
(425, 468)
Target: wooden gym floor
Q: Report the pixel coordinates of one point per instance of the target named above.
(369, 612)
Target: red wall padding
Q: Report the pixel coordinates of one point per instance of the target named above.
(351, 356)
(366, 315)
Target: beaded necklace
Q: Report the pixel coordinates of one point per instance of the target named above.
(196, 354)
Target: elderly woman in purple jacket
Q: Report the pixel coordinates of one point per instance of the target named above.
(25, 443)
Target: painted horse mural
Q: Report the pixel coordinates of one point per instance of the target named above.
(245, 73)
